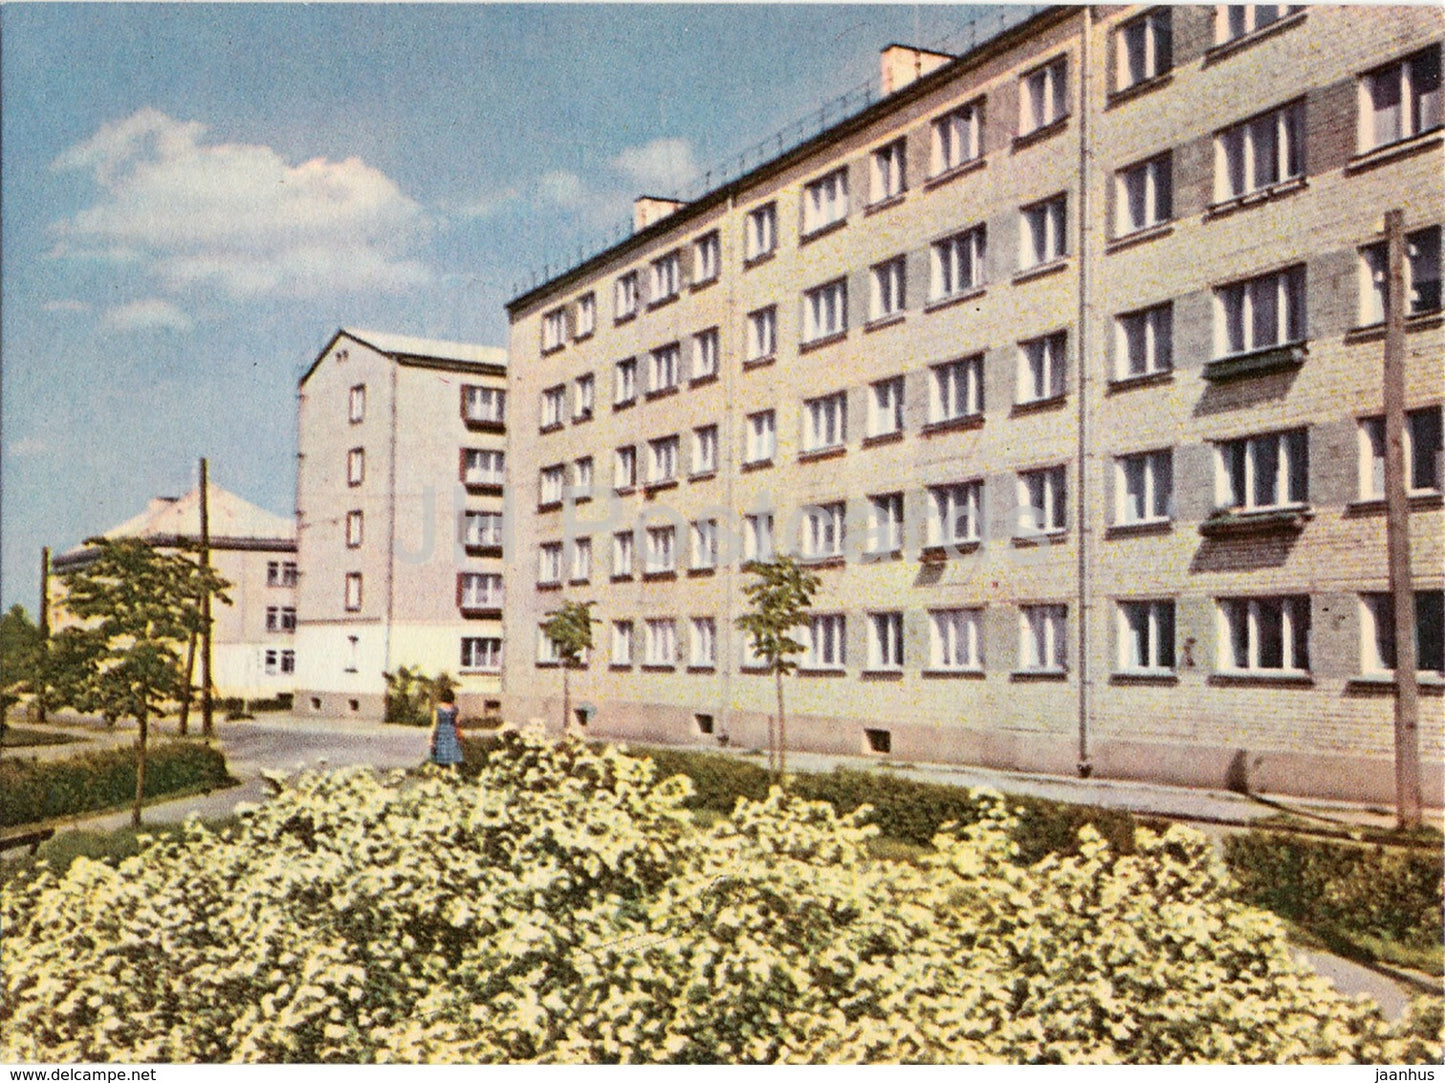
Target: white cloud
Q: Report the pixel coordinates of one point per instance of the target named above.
(66, 305)
(660, 167)
(151, 314)
(563, 188)
(26, 446)
(239, 217)
(486, 204)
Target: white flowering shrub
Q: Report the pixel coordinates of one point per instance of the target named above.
(562, 907)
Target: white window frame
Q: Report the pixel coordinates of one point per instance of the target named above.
(1044, 96)
(705, 543)
(885, 523)
(663, 455)
(624, 546)
(761, 232)
(625, 381)
(758, 541)
(666, 277)
(957, 138)
(549, 563)
(762, 333)
(666, 368)
(1418, 111)
(955, 640)
(624, 467)
(1043, 368)
(626, 295)
(824, 530)
(706, 257)
(486, 404)
(889, 171)
(661, 642)
(549, 651)
(886, 400)
(355, 466)
(885, 641)
(888, 288)
(1144, 48)
(762, 436)
(483, 466)
(353, 592)
(1043, 638)
(554, 329)
(554, 406)
(703, 643)
(481, 590)
(552, 484)
(1144, 195)
(1044, 231)
(826, 636)
(1260, 313)
(355, 529)
(586, 315)
(1377, 632)
(705, 353)
(704, 450)
(1144, 342)
(1265, 464)
(952, 506)
(1144, 487)
(581, 570)
(1422, 276)
(825, 422)
(958, 263)
(1259, 153)
(1423, 471)
(956, 390)
(622, 639)
(1233, 22)
(1044, 492)
(585, 399)
(825, 201)
(661, 549)
(1144, 636)
(1244, 622)
(356, 404)
(825, 310)
(481, 654)
(481, 528)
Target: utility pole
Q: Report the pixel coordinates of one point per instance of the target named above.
(208, 725)
(1397, 533)
(44, 630)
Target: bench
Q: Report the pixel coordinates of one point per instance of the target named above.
(32, 839)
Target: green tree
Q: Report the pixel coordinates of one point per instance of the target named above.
(411, 695)
(570, 628)
(138, 606)
(780, 596)
(21, 655)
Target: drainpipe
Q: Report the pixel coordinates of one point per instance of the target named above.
(391, 525)
(1086, 767)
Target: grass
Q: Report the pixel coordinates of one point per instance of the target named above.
(111, 847)
(25, 737)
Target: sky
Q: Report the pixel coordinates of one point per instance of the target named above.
(196, 196)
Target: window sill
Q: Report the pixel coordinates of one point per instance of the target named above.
(1430, 682)
(579, 582)
(1139, 89)
(703, 380)
(703, 283)
(552, 427)
(877, 556)
(952, 424)
(881, 675)
(1415, 321)
(661, 393)
(886, 202)
(1038, 406)
(892, 319)
(1138, 237)
(831, 560)
(583, 417)
(759, 362)
(620, 667)
(822, 231)
(1256, 362)
(667, 575)
(480, 612)
(653, 487)
(550, 505)
(702, 667)
(658, 667)
(624, 318)
(662, 302)
(756, 464)
(482, 550)
(1144, 379)
(883, 438)
(1051, 266)
(1215, 53)
(821, 671)
(479, 671)
(701, 573)
(1279, 190)
(822, 453)
(952, 674)
(960, 170)
(625, 404)
(1029, 676)
(1042, 537)
(582, 336)
(483, 488)
(1275, 678)
(554, 585)
(825, 340)
(759, 259)
(1038, 135)
(940, 554)
(625, 577)
(1375, 505)
(1140, 529)
(1146, 678)
(1390, 152)
(547, 351)
(624, 490)
(971, 294)
(1246, 523)
(476, 424)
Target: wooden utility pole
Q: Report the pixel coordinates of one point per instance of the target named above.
(208, 723)
(190, 680)
(1397, 533)
(44, 629)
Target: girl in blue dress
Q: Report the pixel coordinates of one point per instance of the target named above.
(446, 745)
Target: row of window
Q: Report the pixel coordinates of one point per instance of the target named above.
(280, 662)
(281, 573)
(280, 618)
(1254, 635)
(479, 404)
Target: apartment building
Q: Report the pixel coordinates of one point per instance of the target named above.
(1061, 365)
(253, 652)
(399, 502)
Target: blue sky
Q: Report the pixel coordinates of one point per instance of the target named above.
(196, 196)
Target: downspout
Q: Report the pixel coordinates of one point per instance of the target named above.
(391, 525)
(1086, 767)
(726, 451)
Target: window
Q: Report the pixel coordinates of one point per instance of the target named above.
(890, 171)
(355, 466)
(888, 295)
(706, 257)
(356, 403)
(825, 310)
(762, 437)
(585, 399)
(1044, 96)
(1422, 453)
(554, 406)
(622, 546)
(1377, 632)
(622, 643)
(661, 549)
(1259, 473)
(479, 590)
(1422, 276)
(1401, 99)
(1042, 501)
(661, 642)
(482, 467)
(957, 138)
(581, 560)
(549, 564)
(280, 618)
(665, 367)
(885, 407)
(624, 388)
(885, 526)
(1259, 152)
(761, 231)
(704, 450)
(1264, 633)
(825, 421)
(825, 201)
(666, 277)
(582, 478)
(586, 315)
(826, 642)
(1260, 312)
(281, 573)
(353, 591)
(549, 651)
(958, 263)
(624, 468)
(1042, 638)
(955, 513)
(554, 329)
(481, 652)
(1144, 487)
(627, 295)
(704, 642)
(1041, 368)
(957, 390)
(762, 333)
(282, 661)
(1146, 637)
(1145, 195)
(553, 483)
(1233, 21)
(482, 528)
(483, 403)
(1042, 238)
(823, 529)
(1146, 48)
(885, 640)
(353, 529)
(1144, 342)
(705, 353)
(662, 460)
(704, 543)
(758, 536)
(955, 639)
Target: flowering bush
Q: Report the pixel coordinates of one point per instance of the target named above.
(562, 907)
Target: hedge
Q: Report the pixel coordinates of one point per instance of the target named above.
(34, 790)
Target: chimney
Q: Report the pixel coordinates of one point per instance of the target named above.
(900, 65)
(649, 209)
